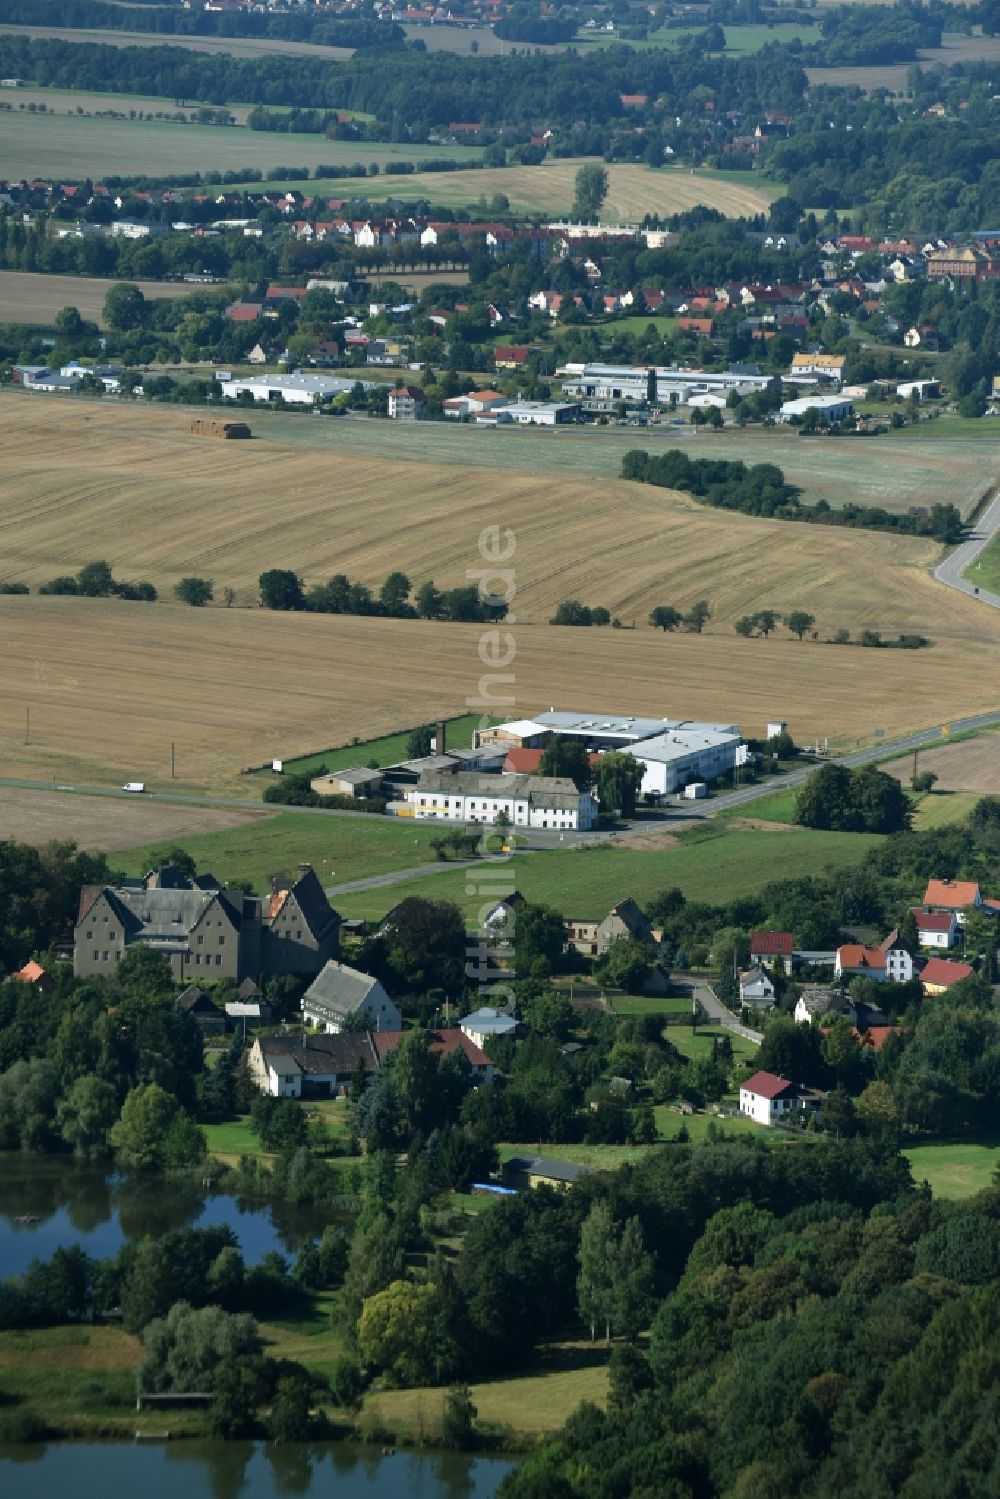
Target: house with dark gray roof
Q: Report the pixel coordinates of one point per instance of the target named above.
(207, 933)
(309, 1065)
(522, 1171)
(202, 934)
(338, 994)
(211, 1021)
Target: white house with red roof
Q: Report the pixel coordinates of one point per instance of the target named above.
(889, 963)
(769, 1099)
(935, 928)
(766, 946)
(475, 403)
(938, 974)
(953, 895)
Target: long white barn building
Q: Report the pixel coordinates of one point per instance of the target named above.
(529, 801)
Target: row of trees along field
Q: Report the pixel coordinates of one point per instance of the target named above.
(761, 490)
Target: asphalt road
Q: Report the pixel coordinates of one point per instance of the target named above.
(884, 749)
(951, 569)
(713, 1007)
(538, 839)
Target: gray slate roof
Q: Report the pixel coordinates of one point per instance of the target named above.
(547, 791)
(339, 990)
(324, 1056)
(548, 1166)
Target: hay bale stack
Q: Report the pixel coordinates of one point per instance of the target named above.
(207, 426)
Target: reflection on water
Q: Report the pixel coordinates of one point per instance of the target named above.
(244, 1470)
(70, 1203)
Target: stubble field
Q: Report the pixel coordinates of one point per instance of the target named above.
(633, 190)
(918, 467)
(111, 685)
(31, 297)
(83, 480)
(971, 765)
(94, 822)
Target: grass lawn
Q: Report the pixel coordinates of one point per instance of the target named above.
(237, 1137)
(77, 1378)
(534, 1403)
(311, 1336)
(985, 571)
(939, 808)
(587, 882)
(637, 1004)
(669, 1124)
(955, 1169)
(340, 849)
(388, 750)
(699, 1043)
(779, 806)
(639, 322)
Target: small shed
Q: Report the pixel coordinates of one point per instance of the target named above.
(357, 782)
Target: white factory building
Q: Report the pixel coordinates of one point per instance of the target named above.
(295, 390)
(674, 751)
(602, 387)
(833, 408)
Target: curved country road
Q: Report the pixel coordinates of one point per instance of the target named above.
(950, 570)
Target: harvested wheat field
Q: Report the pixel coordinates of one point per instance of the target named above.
(32, 297)
(970, 765)
(111, 685)
(95, 822)
(549, 188)
(84, 480)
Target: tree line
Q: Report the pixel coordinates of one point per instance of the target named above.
(282, 589)
(173, 20)
(762, 490)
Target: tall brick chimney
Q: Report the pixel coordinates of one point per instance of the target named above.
(440, 738)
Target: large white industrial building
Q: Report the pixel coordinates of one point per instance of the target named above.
(675, 752)
(294, 390)
(602, 387)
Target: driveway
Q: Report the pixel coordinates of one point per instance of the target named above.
(716, 1011)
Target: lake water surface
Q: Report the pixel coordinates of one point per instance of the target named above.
(243, 1470)
(100, 1210)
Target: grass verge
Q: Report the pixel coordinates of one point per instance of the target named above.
(985, 571)
(340, 849)
(587, 882)
(531, 1405)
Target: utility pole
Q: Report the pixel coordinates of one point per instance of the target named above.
(171, 761)
(27, 725)
(913, 782)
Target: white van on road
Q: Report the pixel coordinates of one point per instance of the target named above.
(134, 786)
